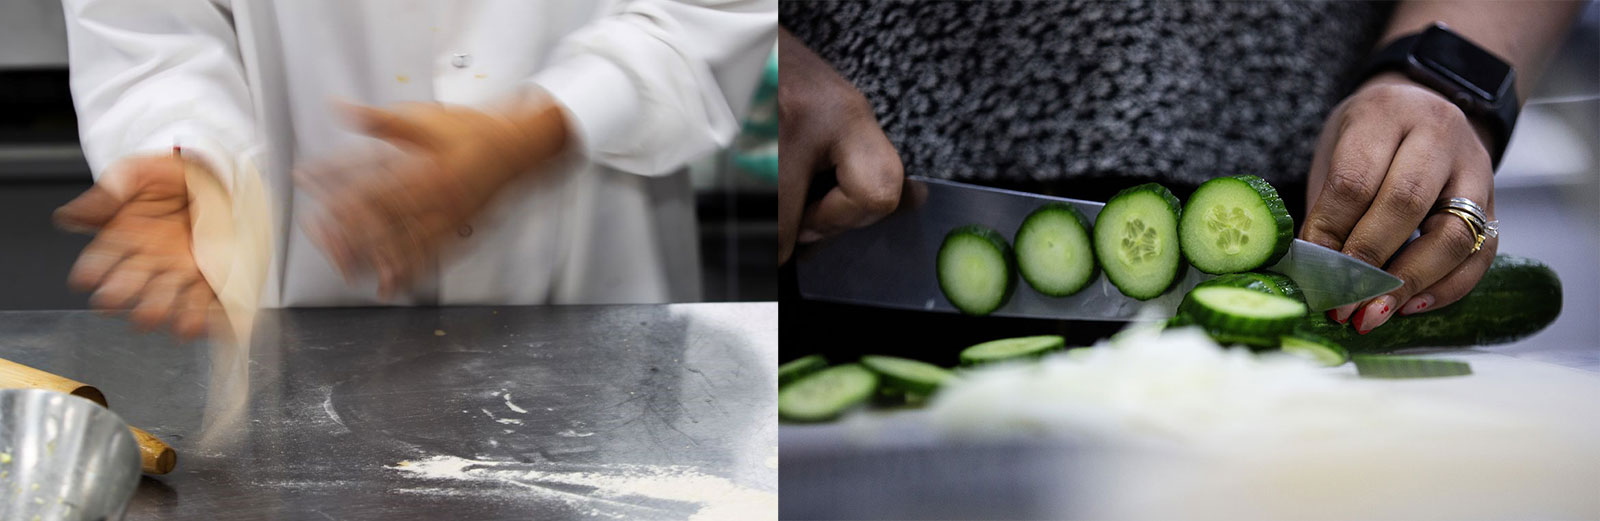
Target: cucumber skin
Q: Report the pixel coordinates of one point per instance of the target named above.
(1177, 217)
(1516, 298)
(800, 368)
(1088, 234)
(1275, 206)
(999, 241)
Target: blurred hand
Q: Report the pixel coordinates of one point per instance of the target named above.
(1387, 156)
(141, 256)
(389, 213)
(826, 123)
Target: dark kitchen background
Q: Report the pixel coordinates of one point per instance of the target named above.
(42, 166)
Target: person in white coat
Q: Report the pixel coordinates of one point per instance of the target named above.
(524, 152)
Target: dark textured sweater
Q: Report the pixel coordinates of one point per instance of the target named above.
(1060, 97)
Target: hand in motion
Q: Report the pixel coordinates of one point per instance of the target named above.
(1387, 157)
(389, 213)
(825, 123)
(141, 257)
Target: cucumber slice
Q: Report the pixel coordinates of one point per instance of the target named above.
(1011, 349)
(1380, 366)
(1315, 348)
(1054, 252)
(1136, 240)
(906, 375)
(1235, 224)
(975, 269)
(1241, 315)
(1251, 281)
(799, 368)
(826, 394)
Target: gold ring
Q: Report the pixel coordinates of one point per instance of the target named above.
(1472, 224)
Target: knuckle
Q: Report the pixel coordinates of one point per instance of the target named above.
(1409, 197)
(1365, 250)
(1321, 229)
(1346, 183)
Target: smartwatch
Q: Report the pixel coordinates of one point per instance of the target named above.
(1483, 85)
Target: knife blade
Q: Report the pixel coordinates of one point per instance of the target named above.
(891, 263)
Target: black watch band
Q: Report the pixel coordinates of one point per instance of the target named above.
(1483, 85)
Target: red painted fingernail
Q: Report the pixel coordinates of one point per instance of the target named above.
(1334, 315)
(1417, 304)
(1360, 313)
(1379, 308)
(1341, 314)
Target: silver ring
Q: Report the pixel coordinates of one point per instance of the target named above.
(1464, 204)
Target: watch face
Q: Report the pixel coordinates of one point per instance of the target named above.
(1454, 57)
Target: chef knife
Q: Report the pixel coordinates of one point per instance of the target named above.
(891, 263)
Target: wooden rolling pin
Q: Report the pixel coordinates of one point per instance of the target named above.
(155, 456)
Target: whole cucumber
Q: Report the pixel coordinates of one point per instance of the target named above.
(1516, 298)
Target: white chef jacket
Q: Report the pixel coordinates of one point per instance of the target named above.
(246, 86)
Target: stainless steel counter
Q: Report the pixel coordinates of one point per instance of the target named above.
(642, 412)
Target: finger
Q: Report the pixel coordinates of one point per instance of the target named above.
(99, 257)
(870, 180)
(385, 124)
(1361, 155)
(796, 165)
(88, 211)
(1410, 188)
(193, 311)
(157, 300)
(1445, 243)
(122, 285)
(1456, 284)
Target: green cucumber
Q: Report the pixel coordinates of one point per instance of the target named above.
(1235, 224)
(1011, 349)
(910, 376)
(1054, 251)
(826, 394)
(1251, 281)
(1240, 315)
(1517, 297)
(1314, 348)
(799, 368)
(1285, 286)
(1382, 366)
(975, 269)
(1136, 240)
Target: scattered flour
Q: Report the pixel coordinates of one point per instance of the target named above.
(569, 433)
(509, 421)
(513, 406)
(615, 487)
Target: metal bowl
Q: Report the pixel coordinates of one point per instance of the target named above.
(63, 457)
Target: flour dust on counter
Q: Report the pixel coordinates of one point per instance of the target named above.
(617, 491)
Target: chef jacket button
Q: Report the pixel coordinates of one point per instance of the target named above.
(465, 230)
(461, 60)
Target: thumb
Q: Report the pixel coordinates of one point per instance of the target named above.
(96, 206)
(382, 124)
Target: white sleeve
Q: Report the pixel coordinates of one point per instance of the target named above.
(148, 74)
(655, 83)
